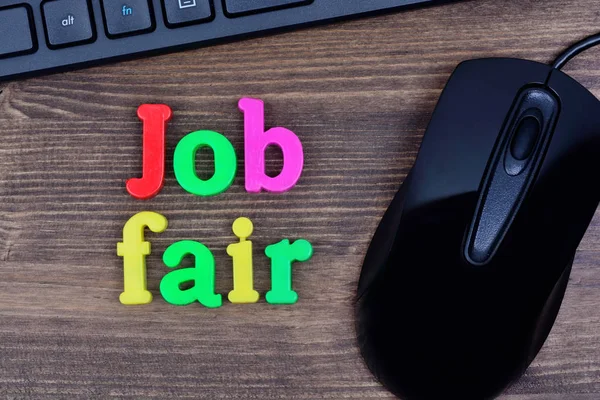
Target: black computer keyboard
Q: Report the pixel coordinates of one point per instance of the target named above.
(40, 36)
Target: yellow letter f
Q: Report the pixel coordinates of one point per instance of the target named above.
(134, 250)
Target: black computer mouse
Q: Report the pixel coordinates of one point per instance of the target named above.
(466, 273)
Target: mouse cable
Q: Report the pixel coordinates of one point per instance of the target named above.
(575, 49)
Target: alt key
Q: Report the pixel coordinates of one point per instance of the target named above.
(67, 23)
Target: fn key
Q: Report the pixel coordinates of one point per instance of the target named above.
(127, 17)
(16, 31)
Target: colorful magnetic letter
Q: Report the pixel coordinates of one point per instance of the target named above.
(256, 141)
(134, 250)
(184, 163)
(203, 275)
(154, 118)
(243, 281)
(282, 255)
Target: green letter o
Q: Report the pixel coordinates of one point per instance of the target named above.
(184, 163)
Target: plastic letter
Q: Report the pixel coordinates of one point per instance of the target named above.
(256, 141)
(134, 250)
(202, 275)
(184, 163)
(155, 118)
(243, 281)
(282, 255)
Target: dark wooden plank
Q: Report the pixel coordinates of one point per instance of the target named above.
(359, 94)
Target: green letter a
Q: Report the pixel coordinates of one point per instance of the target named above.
(203, 275)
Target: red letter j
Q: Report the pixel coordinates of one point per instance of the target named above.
(154, 118)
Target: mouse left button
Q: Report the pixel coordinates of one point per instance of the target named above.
(383, 241)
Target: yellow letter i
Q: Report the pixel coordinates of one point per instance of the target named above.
(243, 281)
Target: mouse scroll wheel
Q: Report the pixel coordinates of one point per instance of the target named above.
(513, 165)
(525, 137)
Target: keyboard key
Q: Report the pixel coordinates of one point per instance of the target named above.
(236, 8)
(67, 23)
(187, 12)
(16, 35)
(127, 17)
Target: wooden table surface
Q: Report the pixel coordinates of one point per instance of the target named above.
(359, 95)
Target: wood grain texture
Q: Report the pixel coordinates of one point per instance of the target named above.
(359, 94)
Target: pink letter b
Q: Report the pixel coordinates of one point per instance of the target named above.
(256, 141)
